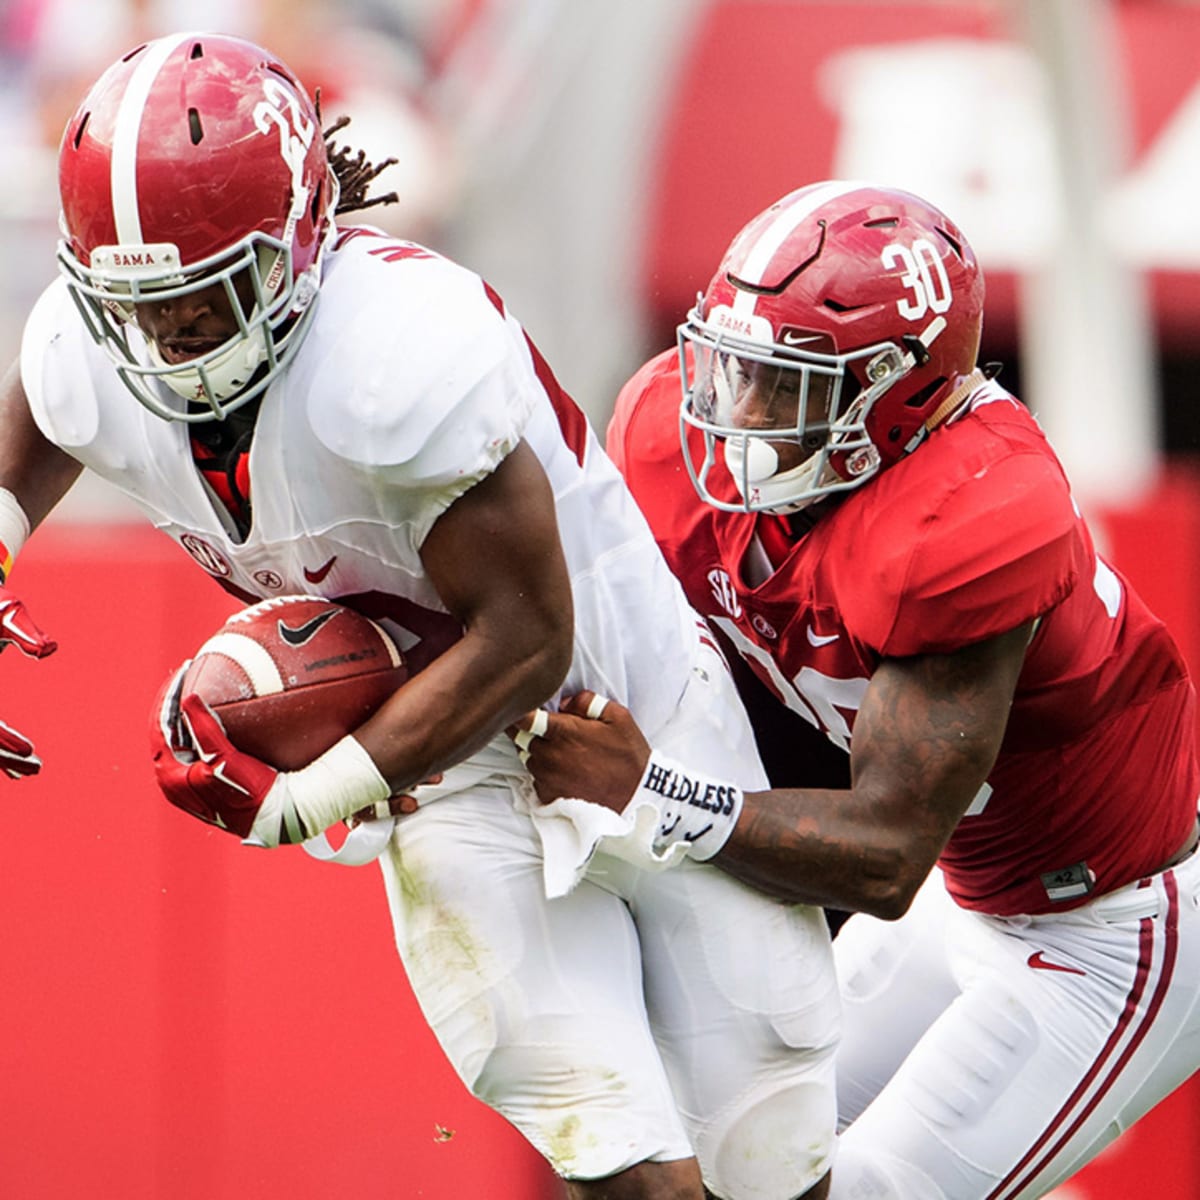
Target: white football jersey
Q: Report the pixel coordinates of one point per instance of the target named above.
(412, 384)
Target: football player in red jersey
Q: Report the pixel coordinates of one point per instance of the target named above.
(306, 406)
(881, 531)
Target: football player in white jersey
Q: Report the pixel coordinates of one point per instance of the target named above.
(307, 408)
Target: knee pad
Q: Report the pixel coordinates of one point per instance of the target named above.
(589, 1112)
(773, 1148)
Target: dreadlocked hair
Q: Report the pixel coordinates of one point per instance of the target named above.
(355, 173)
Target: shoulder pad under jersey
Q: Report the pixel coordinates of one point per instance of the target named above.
(940, 567)
(55, 351)
(645, 421)
(412, 365)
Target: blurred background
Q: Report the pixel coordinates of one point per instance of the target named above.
(185, 1018)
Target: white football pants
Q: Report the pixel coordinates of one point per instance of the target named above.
(643, 1016)
(990, 1058)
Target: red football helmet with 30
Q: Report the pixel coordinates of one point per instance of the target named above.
(853, 313)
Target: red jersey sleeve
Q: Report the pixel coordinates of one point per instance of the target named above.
(954, 557)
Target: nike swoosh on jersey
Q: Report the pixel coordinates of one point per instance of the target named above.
(319, 574)
(1039, 963)
(792, 339)
(299, 634)
(815, 639)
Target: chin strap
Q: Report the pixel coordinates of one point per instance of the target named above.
(948, 406)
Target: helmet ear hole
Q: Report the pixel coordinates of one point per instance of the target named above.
(920, 398)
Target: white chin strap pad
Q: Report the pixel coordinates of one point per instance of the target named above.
(750, 460)
(754, 465)
(762, 460)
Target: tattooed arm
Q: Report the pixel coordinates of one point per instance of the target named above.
(925, 738)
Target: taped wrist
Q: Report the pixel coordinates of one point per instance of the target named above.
(693, 808)
(306, 802)
(14, 531)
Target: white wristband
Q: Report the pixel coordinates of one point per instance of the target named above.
(332, 787)
(14, 530)
(692, 807)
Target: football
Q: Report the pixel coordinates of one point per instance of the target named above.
(291, 676)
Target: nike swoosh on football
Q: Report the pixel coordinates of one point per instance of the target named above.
(319, 574)
(299, 634)
(1039, 963)
(815, 639)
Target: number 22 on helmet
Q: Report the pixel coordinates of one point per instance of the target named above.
(194, 172)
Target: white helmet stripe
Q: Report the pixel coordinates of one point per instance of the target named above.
(128, 126)
(759, 257)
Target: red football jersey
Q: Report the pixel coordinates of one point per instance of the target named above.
(975, 533)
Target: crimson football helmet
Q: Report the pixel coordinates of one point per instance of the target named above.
(841, 327)
(196, 160)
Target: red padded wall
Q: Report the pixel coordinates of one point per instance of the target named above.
(184, 1017)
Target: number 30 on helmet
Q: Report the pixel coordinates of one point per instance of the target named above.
(196, 159)
(841, 327)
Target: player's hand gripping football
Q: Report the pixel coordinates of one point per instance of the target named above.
(203, 773)
(590, 748)
(198, 769)
(17, 628)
